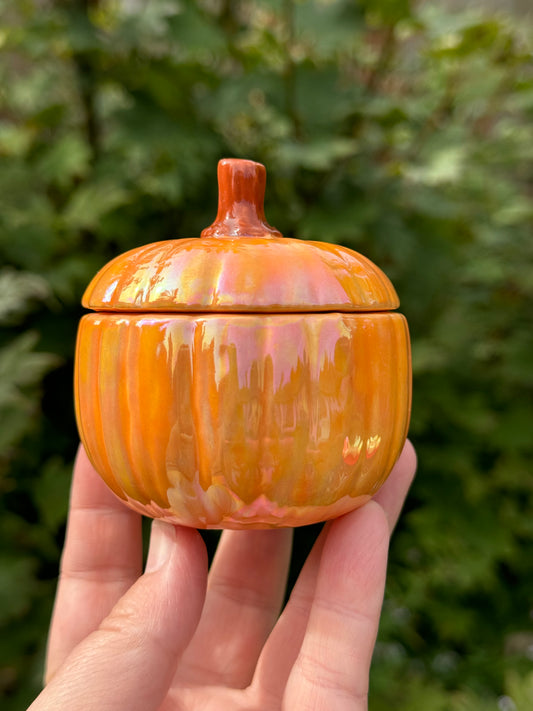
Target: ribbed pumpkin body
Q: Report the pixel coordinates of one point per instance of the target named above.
(243, 420)
(242, 381)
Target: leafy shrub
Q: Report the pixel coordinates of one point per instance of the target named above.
(402, 130)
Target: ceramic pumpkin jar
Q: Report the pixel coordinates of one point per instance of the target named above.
(242, 379)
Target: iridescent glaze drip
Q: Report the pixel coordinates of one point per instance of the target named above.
(259, 420)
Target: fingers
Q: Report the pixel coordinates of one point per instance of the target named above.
(246, 585)
(392, 495)
(283, 645)
(130, 660)
(332, 667)
(245, 592)
(102, 558)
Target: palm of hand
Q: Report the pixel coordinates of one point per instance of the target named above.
(176, 639)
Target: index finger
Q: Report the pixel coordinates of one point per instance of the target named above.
(102, 558)
(391, 497)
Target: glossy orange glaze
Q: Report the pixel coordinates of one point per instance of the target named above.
(243, 420)
(240, 264)
(249, 275)
(240, 202)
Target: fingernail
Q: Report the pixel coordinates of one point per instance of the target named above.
(162, 542)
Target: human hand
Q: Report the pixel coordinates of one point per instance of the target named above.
(174, 639)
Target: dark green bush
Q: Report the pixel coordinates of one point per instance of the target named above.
(402, 130)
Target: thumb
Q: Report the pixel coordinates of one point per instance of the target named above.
(129, 661)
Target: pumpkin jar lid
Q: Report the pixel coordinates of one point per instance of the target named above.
(240, 264)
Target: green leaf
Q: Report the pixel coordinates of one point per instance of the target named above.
(66, 159)
(15, 140)
(16, 586)
(21, 370)
(444, 166)
(51, 492)
(520, 690)
(92, 201)
(18, 291)
(319, 155)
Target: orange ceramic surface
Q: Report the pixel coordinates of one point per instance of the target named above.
(241, 274)
(242, 380)
(243, 420)
(241, 264)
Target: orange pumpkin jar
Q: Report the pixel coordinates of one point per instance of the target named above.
(243, 379)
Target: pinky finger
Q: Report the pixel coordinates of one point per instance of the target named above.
(332, 668)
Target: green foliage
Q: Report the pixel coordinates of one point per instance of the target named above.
(402, 130)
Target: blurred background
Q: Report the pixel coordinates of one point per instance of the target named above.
(401, 129)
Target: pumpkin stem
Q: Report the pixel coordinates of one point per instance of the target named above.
(241, 194)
